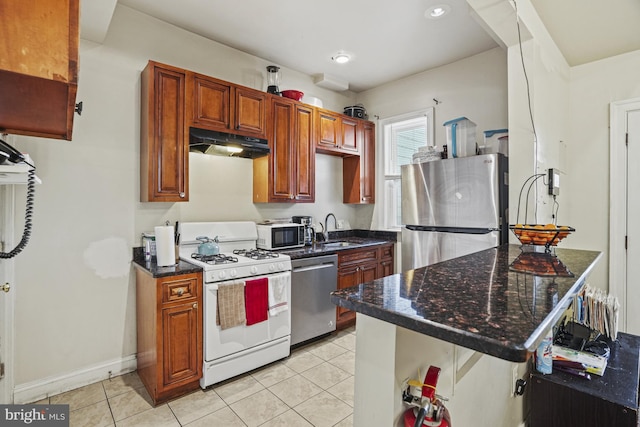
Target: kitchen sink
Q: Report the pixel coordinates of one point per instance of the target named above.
(338, 244)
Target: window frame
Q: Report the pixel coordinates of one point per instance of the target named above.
(380, 217)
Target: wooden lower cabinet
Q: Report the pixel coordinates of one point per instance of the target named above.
(360, 266)
(169, 327)
(563, 400)
(386, 260)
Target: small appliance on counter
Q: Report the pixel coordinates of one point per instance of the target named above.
(277, 235)
(309, 231)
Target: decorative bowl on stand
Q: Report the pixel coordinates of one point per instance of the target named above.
(541, 235)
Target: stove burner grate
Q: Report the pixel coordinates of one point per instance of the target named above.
(255, 253)
(214, 259)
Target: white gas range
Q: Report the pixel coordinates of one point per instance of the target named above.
(236, 350)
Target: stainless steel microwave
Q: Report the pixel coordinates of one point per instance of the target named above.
(280, 236)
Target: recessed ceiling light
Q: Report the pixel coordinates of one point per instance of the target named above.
(341, 58)
(438, 11)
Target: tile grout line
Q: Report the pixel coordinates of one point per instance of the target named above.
(113, 418)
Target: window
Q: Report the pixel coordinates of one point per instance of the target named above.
(401, 137)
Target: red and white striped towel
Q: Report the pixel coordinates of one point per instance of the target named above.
(278, 298)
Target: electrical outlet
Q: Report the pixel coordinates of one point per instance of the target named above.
(340, 224)
(553, 177)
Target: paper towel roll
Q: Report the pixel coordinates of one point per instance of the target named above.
(165, 246)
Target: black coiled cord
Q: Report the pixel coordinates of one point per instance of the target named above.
(26, 234)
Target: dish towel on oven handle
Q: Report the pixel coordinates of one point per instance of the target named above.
(231, 308)
(278, 298)
(256, 300)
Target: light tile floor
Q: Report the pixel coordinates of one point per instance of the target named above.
(312, 387)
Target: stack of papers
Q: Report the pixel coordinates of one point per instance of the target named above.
(592, 363)
(597, 310)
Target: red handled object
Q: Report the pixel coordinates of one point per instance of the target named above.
(427, 410)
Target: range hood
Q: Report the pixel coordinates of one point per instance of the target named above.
(226, 144)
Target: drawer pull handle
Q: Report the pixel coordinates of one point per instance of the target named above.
(195, 305)
(180, 291)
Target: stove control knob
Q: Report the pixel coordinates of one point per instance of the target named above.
(254, 270)
(280, 266)
(272, 267)
(233, 273)
(222, 274)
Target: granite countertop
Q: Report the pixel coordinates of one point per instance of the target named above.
(182, 267)
(499, 301)
(355, 239)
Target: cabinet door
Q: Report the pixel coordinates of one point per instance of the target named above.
(179, 338)
(368, 158)
(164, 145)
(358, 172)
(349, 135)
(211, 103)
(329, 131)
(281, 144)
(250, 111)
(368, 272)
(39, 67)
(305, 155)
(386, 265)
(347, 277)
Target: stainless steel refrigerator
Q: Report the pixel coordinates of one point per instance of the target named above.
(453, 207)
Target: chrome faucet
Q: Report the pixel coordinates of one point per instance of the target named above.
(325, 231)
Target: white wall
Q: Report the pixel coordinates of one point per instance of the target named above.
(593, 87)
(75, 292)
(474, 87)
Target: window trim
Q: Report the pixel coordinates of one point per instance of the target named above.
(378, 220)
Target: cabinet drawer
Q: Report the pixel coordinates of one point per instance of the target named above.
(386, 252)
(179, 289)
(357, 256)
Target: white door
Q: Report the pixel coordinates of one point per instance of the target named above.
(6, 299)
(624, 215)
(633, 222)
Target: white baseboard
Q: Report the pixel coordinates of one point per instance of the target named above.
(40, 389)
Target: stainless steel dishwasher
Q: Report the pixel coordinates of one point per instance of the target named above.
(312, 312)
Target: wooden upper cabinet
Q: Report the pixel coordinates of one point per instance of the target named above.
(287, 174)
(305, 159)
(282, 151)
(329, 132)
(336, 134)
(250, 111)
(211, 103)
(349, 137)
(38, 67)
(164, 136)
(223, 106)
(358, 172)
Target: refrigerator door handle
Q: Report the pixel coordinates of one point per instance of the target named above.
(451, 229)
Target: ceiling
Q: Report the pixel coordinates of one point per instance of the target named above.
(386, 40)
(586, 31)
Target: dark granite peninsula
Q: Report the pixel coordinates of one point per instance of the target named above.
(499, 301)
(476, 317)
